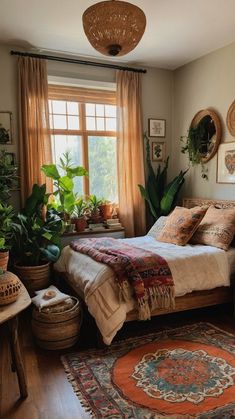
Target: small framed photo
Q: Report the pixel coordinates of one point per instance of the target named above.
(157, 128)
(5, 127)
(10, 159)
(158, 151)
(226, 163)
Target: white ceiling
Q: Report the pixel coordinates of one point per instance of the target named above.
(177, 32)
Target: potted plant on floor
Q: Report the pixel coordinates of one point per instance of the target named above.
(36, 240)
(80, 211)
(6, 233)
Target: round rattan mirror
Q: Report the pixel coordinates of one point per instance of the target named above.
(208, 125)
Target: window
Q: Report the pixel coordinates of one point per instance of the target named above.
(83, 121)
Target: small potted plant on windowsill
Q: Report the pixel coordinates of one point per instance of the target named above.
(106, 209)
(80, 211)
(93, 205)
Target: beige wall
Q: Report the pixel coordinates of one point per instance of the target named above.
(156, 90)
(206, 82)
(8, 102)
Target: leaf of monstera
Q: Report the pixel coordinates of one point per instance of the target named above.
(76, 171)
(50, 170)
(66, 183)
(51, 252)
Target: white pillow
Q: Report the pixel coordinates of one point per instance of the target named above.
(157, 227)
(41, 302)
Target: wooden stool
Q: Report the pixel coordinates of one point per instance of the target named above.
(9, 313)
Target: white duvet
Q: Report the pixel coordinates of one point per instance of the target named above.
(193, 267)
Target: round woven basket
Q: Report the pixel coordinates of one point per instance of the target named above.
(58, 326)
(230, 119)
(34, 277)
(10, 286)
(4, 257)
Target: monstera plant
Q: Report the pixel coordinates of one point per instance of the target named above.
(160, 195)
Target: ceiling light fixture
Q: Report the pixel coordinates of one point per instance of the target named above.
(114, 27)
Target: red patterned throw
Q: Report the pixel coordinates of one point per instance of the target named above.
(148, 273)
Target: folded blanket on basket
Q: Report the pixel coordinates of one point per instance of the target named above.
(148, 273)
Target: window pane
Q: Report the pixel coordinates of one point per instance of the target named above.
(51, 121)
(99, 110)
(73, 122)
(60, 122)
(100, 124)
(90, 123)
(72, 108)
(90, 109)
(59, 106)
(72, 143)
(103, 167)
(111, 124)
(50, 106)
(110, 110)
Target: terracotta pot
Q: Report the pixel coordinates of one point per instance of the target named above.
(34, 277)
(10, 286)
(4, 257)
(106, 211)
(80, 224)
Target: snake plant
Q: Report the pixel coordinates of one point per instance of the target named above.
(160, 196)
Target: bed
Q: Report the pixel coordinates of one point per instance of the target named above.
(208, 271)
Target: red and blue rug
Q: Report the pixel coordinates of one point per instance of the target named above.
(188, 372)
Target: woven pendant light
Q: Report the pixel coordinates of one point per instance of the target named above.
(114, 27)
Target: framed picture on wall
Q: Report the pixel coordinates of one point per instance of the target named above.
(157, 127)
(226, 163)
(10, 159)
(5, 127)
(158, 151)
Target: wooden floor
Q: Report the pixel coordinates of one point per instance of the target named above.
(50, 394)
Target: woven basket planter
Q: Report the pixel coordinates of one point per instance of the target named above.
(34, 277)
(10, 286)
(57, 329)
(4, 257)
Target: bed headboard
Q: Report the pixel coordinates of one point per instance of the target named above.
(193, 202)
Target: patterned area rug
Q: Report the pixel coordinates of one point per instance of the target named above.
(188, 372)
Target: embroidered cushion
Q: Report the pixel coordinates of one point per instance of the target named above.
(181, 224)
(217, 228)
(157, 227)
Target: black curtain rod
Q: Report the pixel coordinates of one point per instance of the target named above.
(75, 61)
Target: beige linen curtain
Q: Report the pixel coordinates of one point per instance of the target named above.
(130, 152)
(34, 139)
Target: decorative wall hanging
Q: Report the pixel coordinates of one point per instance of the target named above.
(156, 127)
(5, 127)
(158, 151)
(230, 120)
(226, 163)
(203, 138)
(114, 27)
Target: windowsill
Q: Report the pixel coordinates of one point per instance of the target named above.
(87, 231)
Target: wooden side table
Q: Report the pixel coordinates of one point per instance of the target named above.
(9, 313)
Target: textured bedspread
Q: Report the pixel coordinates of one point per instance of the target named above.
(146, 272)
(193, 267)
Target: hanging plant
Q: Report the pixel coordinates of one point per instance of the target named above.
(199, 142)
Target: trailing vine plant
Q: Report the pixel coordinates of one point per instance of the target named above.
(196, 143)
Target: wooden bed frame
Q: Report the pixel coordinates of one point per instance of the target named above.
(197, 299)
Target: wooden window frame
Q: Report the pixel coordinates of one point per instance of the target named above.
(82, 96)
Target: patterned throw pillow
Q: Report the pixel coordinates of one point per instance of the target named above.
(157, 227)
(217, 228)
(181, 224)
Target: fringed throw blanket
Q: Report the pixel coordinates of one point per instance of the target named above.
(147, 272)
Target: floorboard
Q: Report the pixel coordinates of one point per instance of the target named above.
(50, 394)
